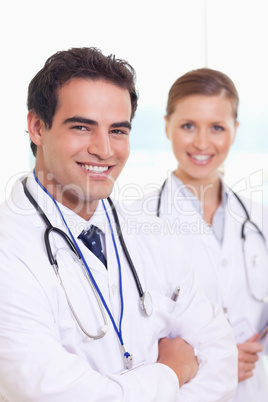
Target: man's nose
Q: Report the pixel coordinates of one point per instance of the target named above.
(100, 144)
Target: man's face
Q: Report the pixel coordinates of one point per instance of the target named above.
(85, 150)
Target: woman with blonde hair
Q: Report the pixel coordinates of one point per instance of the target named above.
(227, 249)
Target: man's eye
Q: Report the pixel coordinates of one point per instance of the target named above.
(80, 128)
(118, 131)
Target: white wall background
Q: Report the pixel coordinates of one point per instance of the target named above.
(162, 40)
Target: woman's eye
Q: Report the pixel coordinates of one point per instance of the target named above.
(218, 128)
(187, 126)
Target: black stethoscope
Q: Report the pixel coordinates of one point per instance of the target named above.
(243, 236)
(145, 297)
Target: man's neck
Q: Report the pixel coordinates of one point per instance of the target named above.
(83, 207)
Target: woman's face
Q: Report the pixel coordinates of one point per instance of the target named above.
(201, 130)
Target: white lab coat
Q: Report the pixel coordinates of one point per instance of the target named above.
(44, 356)
(221, 269)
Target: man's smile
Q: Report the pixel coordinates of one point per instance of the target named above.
(95, 168)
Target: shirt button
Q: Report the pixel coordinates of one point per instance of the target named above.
(224, 263)
(114, 290)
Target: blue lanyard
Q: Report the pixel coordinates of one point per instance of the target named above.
(128, 357)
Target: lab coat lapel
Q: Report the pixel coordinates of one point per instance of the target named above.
(75, 223)
(198, 241)
(232, 224)
(189, 221)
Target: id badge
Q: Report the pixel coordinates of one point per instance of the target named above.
(242, 330)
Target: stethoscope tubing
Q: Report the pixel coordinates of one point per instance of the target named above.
(125, 250)
(243, 236)
(50, 229)
(247, 220)
(144, 296)
(75, 247)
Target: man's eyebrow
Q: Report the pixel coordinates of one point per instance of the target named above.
(83, 120)
(79, 119)
(125, 124)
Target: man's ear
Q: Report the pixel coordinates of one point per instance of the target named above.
(35, 127)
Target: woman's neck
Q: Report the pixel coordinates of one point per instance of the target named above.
(207, 190)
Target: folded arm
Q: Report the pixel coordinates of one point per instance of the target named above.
(35, 365)
(179, 356)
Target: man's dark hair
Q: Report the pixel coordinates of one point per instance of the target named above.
(88, 63)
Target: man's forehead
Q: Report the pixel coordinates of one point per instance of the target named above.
(86, 81)
(87, 87)
(93, 99)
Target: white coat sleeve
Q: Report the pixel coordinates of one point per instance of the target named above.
(195, 319)
(34, 366)
(204, 326)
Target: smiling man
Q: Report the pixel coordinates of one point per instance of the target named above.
(85, 314)
(81, 155)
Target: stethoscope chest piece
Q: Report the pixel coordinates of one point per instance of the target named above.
(146, 303)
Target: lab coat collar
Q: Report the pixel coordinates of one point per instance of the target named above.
(196, 203)
(184, 192)
(190, 210)
(74, 221)
(77, 223)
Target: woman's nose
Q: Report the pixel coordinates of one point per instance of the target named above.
(201, 139)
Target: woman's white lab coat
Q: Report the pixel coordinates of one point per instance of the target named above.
(44, 356)
(221, 269)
